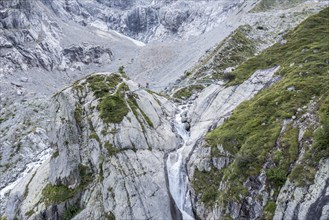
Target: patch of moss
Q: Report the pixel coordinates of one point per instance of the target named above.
(86, 176)
(113, 108)
(101, 85)
(29, 213)
(95, 136)
(187, 92)
(60, 193)
(134, 106)
(265, 5)
(101, 172)
(71, 211)
(57, 194)
(104, 132)
(78, 114)
(123, 72)
(111, 150)
(26, 191)
(110, 216)
(269, 210)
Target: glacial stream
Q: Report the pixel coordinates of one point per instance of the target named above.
(176, 169)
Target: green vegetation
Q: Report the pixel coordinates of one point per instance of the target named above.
(269, 210)
(252, 134)
(303, 173)
(101, 85)
(134, 106)
(113, 108)
(121, 70)
(78, 114)
(207, 183)
(85, 175)
(238, 49)
(110, 216)
(302, 55)
(283, 158)
(111, 150)
(61, 193)
(26, 191)
(55, 154)
(110, 90)
(187, 92)
(104, 132)
(234, 50)
(57, 194)
(71, 211)
(95, 136)
(100, 168)
(29, 213)
(265, 5)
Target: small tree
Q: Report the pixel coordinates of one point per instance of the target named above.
(122, 70)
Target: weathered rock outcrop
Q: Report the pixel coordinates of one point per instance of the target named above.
(106, 163)
(305, 203)
(23, 139)
(147, 20)
(31, 37)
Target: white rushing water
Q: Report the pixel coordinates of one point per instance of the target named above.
(31, 167)
(178, 180)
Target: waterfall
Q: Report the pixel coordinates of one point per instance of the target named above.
(177, 176)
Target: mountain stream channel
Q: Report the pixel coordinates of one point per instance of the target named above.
(176, 167)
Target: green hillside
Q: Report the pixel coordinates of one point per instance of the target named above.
(252, 134)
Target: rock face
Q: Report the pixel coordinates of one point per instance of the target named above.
(31, 38)
(24, 143)
(147, 20)
(111, 169)
(305, 203)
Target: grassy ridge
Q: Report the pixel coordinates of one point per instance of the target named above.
(265, 5)
(231, 52)
(252, 132)
(111, 93)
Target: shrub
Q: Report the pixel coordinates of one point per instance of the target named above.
(57, 194)
(111, 150)
(71, 211)
(113, 108)
(276, 176)
(228, 77)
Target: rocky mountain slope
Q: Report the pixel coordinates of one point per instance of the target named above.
(272, 151)
(108, 148)
(242, 134)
